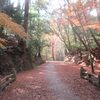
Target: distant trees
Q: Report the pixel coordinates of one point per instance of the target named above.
(72, 22)
(76, 26)
(37, 28)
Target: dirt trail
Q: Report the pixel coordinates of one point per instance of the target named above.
(50, 81)
(61, 91)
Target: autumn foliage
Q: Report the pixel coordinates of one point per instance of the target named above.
(2, 41)
(11, 27)
(78, 14)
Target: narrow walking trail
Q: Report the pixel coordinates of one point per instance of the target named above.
(61, 91)
(51, 81)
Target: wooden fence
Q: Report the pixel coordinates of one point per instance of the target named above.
(7, 80)
(94, 79)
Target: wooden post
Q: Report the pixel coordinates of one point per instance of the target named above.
(82, 72)
(99, 81)
(89, 77)
(14, 74)
(0, 87)
(7, 79)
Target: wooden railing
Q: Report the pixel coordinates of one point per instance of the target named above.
(7, 80)
(94, 79)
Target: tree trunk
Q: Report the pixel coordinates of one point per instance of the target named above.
(18, 5)
(26, 14)
(2, 2)
(53, 52)
(39, 52)
(91, 63)
(80, 38)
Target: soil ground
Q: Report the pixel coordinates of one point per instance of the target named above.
(51, 81)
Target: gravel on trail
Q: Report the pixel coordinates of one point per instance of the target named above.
(51, 81)
(61, 91)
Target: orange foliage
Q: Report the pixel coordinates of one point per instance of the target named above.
(62, 21)
(12, 27)
(2, 41)
(83, 21)
(93, 25)
(74, 21)
(78, 14)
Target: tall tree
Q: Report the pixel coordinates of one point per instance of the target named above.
(2, 2)
(26, 14)
(18, 5)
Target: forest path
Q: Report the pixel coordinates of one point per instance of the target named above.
(51, 81)
(61, 91)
